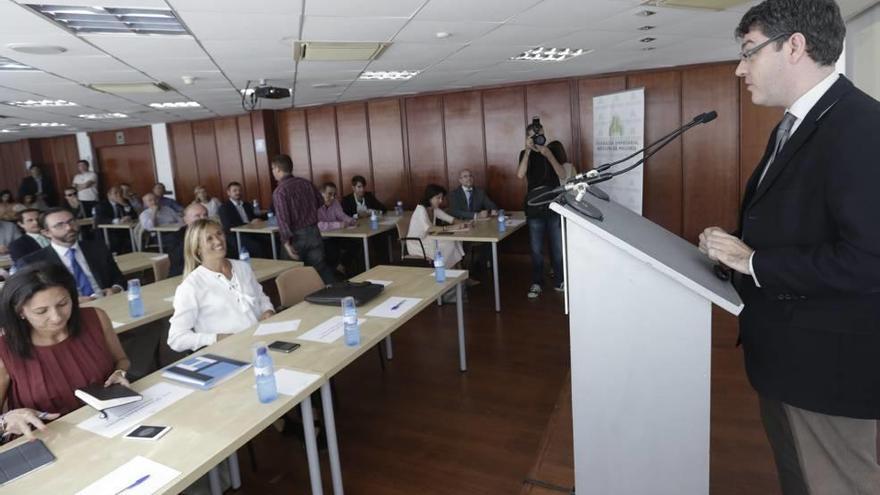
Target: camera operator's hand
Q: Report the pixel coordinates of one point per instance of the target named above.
(530, 145)
(544, 151)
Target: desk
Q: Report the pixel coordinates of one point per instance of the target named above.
(201, 437)
(158, 297)
(487, 231)
(138, 261)
(257, 227)
(5, 261)
(126, 225)
(363, 231)
(174, 227)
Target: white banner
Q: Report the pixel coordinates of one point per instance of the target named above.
(618, 131)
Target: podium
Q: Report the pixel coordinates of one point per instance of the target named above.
(640, 301)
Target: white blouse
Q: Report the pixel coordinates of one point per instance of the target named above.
(206, 303)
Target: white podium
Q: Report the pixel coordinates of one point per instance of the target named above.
(640, 302)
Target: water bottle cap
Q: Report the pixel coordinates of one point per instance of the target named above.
(261, 351)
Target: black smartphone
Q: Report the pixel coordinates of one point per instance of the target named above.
(285, 347)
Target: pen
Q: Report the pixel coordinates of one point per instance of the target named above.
(136, 483)
(398, 304)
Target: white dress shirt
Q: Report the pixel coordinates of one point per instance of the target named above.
(239, 205)
(40, 238)
(90, 193)
(206, 303)
(800, 108)
(361, 205)
(81, 259)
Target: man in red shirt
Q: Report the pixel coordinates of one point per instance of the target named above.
(296, 202)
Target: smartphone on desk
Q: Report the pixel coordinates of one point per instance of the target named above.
(285, 347)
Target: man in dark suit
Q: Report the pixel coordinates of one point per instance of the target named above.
(807, 254)
(174, 242)
(470, 203)
(116, 209)
(360, 201)
(39, 186)
(235, 212)
(32, 240)
(91, 264)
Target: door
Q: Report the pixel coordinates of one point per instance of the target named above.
(131, 163)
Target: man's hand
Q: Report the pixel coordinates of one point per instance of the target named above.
(291, 251)
(4, 249)
(85, 299)
(484, 214)
(730, 251)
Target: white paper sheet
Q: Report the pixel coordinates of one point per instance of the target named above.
(168, 299)
(117, 480)
(384, 283)
(290, 382)
(327, 332)
(277, 327)
(122, 418)
(158, 258)
(453, 273)
(394, 307)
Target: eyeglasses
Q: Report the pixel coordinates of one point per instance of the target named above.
(69, 223)
(746, 55)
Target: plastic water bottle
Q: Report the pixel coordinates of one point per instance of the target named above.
(256, 207)
(350, 322)
(374, 220)
(264, 371)
(439, 266)
(270, 219)
(135, 303)
(244, 255)
(502, 221)
(398, 208)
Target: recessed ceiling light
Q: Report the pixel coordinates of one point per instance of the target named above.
(391, 75)
(645, 13)
(42, 124)
(119, 88)
(40, 103)
(648, 40)
(649, 48)
(36, 49)
(442, 35)
(541, 54)
(102, 116)
(646, 28)
(114, 20)
(7, 131)
(9, 64)
(176, 104)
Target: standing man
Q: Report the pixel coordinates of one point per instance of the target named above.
(32, 240)
(807, 253)
(39, 186)
(86, 185)
(296, 202)
(468, 202)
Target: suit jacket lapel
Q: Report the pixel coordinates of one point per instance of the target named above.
(801, 136)
(94, 266)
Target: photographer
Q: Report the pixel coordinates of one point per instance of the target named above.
(543, 164)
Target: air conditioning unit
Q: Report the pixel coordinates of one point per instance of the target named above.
(695, 4)
(336, 51)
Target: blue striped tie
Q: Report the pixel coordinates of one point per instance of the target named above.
(83, 286)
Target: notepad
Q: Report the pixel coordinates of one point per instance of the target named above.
(205, 371)
(116, 481)
(100, 397)
(277, 327)
(328, 332)
(394, 307)
(383, 283)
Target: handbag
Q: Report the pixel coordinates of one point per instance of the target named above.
(333, 294)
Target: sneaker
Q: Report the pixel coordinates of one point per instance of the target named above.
(560, 287)
(534, 291)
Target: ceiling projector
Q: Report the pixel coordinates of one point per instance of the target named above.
(271, 92)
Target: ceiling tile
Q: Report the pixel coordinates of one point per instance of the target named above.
(372, 8)
(509, 34)
(566, 13)
(241, 26)
(287, 7)
(461, 32)
(469, 10)
(316, 28)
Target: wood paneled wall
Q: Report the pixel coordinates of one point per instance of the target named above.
(402, 144)
(215, 152)
(56, 156)
(13, 157)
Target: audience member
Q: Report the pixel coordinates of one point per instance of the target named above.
(93, 268)
(331, 217)
(205, 199)
(159, 191)
(8, 233)
(468, 202)
(7, 205)
(51, 347)
(218, 296)
(75, 206)
(131, 196)
(85, 183)
(39, 186)
(296, 202)
(116, 210)
(235, 212)
(33, 240)
(360, 202)
(28, 201)
(423, 222)
(174, 244)
(156, 215)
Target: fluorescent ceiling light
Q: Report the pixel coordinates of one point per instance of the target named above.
(120, 88)
(176, 104)
(541, 54)
(9, 64)
(42, 124)
(103, 116)
(41, 103)
(116, 20)
(7, 131)
(391, 75)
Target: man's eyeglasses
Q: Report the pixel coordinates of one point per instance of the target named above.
(69, 223)
(746, 55)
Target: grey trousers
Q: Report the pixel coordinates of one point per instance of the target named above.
(818, 454)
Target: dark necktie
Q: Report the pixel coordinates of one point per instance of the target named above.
(469, 194)
(782, 135)
(83, 286)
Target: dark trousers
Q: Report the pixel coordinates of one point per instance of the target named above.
(551, 228)
(347, 252)
(310, 246)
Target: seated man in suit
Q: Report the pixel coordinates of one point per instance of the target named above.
(32, 240)
(91, 265)
(8, 233)
(155, 214)
(360, 202)
(174, 244)
(470, 203)
(235, 212)
(39, 186)
(116, 210)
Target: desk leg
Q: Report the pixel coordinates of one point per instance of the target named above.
(389, 351)
(238, 240)
(214, 483)
(106, 238)
(459, 309)
(332, 446)
(234, 472)
(159, 236)
(495, 276)
(134, 247)
(311, 446)
(274, 248)
(390, 250)
(366, 253)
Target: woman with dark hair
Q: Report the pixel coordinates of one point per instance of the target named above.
(424, 221)
(50, 347)
(7, 205)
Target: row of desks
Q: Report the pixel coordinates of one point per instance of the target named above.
(209, 426)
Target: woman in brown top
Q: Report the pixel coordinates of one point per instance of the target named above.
(50, 347)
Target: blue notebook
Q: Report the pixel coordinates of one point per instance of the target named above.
(205, 371)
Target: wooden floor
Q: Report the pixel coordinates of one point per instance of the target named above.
(422, 427)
